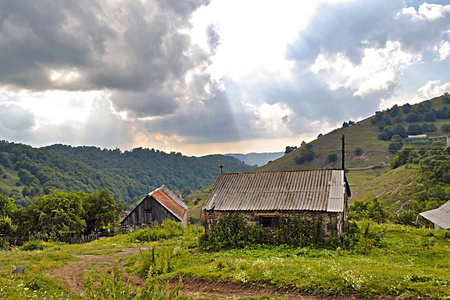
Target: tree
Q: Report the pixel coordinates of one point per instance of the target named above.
(429, 116)
(415, 129)
(406, 108)
(429, 127)
(100, 210)
(412, 117)
(394, 147)
(289, 149)
(446, 128)
(8, 214)
(57, 213)
(400, 130)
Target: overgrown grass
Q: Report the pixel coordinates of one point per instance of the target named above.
(157, 232)
(408, 262)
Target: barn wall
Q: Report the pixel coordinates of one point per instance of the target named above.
(160, 213)
(139, 216)
(331, 221)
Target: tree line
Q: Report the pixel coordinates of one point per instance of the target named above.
(126, 174)
(59, 213)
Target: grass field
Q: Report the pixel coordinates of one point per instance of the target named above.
(408, 262)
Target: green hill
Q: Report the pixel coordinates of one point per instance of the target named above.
(27, 172)
(368, 154)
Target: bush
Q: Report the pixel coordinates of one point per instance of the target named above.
(300, 232)
(446, 128)
(332, 158)
(228, 233)
(305, 156)
(394, 147)
(358, 151)
(400, 130)
(415, 129)
(412, 117)
(33, 245)
(429, 127)
(157, 232)
(371, 209)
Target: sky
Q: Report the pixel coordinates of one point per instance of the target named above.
(211, 76)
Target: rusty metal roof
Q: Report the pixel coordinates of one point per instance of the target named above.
(317, 190)
(170, 201)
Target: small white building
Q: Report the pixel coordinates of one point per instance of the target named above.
(440, 217)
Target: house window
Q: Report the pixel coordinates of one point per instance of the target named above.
(270, 221)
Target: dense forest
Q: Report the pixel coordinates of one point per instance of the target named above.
(27, 172)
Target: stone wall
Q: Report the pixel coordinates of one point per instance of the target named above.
(331, 221)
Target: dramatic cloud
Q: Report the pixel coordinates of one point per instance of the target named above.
(176, 74)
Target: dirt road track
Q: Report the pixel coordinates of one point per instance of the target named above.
(74, 272)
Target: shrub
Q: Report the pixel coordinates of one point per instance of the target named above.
(400, 130)
(446, 128)
(157, 232)
(332, 158)
(358, 151)
(33, 245)
(371, 209)
(305, 156)
(412, 117)
(394, 147)
(415, 129)
(300, 232)
(429, 127)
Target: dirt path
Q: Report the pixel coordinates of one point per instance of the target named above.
(73, 275)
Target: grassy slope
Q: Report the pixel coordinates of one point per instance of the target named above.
(9, 182)
(391, 188)
(376, 181)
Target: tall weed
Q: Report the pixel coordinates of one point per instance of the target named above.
(157, 232)
(112, 285)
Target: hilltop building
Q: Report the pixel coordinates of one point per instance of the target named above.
(263, 198)
(158, 206)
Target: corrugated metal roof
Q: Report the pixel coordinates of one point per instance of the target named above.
(317, 190)
(170, 201)
(439, 216)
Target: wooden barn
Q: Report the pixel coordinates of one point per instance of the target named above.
(263, 198)
(158, 206)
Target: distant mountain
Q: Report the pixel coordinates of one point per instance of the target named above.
(259, 159)
(27, 172)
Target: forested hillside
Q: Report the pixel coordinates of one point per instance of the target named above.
(26, 172)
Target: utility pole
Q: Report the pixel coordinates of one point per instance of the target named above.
(343, 152)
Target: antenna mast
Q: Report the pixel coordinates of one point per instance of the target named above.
(343, 152)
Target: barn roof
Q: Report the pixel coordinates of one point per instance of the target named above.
(439, 216)
(316, 190)
(170, 201)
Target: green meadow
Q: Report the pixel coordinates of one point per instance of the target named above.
(407, 262)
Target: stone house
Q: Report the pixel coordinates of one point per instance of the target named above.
(158, 206)
(266, 197)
